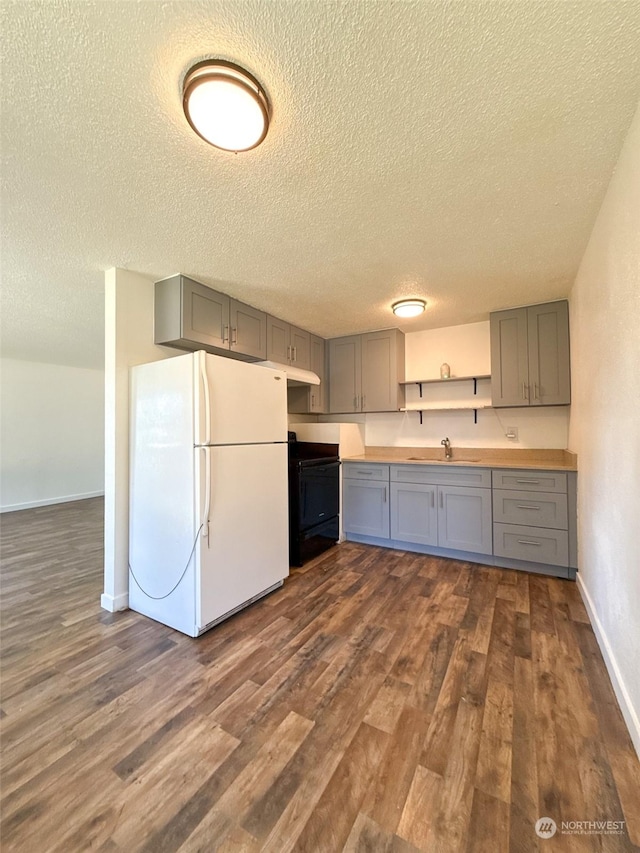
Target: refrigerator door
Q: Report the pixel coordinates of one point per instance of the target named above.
(238, 403)
(162, 491)
(246, 551)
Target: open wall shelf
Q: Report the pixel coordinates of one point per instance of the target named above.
(474, 379)
(446, 407)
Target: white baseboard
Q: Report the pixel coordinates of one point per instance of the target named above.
(51, 501)
(114, 603)
(628, 711)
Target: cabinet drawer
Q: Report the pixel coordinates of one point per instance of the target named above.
(362, 471)
(441, 475)
(536, 544)
(530, 481)
(542, 509)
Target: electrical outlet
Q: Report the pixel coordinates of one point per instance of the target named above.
(512, 433)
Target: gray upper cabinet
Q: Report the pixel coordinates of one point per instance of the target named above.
(310, 399)
(345, 375)
(365, 372)
(287, 344)
(317, 393)
(247, 330)
(189, 315)
(530, 356)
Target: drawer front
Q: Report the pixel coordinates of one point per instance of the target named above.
(542, 509)
(536, 544)
(362, 471)
(441, 475)
(530, 481)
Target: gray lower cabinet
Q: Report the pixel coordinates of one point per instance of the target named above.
(453, 517)
(464, 519)
(530, 356)
(531, 544)
(365, 372)
(414, 513)
(191, 316)
(534, 517)
(445, 509)
(365, 507)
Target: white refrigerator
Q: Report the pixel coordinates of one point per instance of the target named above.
(208, 512)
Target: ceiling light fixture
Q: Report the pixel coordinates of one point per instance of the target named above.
(225, 105)
(409, 307)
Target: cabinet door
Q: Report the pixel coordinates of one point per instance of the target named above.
(344, 374)
(464, 519)
(299, 340)
(414, 514)
(380, 371)
(365, 508)
(509, 358)
(190, 315)
(204, 314)
(278, 346)
(248, 330)
(317, 392)
(548, 337)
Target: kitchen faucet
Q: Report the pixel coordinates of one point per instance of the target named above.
(447, 448)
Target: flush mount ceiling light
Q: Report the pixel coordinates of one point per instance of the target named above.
(225, 105)
(409, 307)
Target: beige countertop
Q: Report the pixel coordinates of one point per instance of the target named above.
(485, 457)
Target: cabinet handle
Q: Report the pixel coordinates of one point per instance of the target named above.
(234, 335)
(368, 473)
(526, 506)
(364, 403)
(433, 498)
(295, 353)
(441, 501)
(527, 542)
(535, 391)
(384, 495)
(225, 334)
(313, 400)
(288, 353)
(525, 391)
(533, 482)
(355, 404)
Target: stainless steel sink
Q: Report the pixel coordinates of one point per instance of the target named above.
(431, 459)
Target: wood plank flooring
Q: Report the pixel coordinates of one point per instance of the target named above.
(381, 701)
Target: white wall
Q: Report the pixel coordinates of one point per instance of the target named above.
(52, 436)
(128, 341)
(466, 349)
(605, 426)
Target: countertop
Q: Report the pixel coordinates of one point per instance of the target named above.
(478, 457)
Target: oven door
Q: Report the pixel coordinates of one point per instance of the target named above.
(319, 487)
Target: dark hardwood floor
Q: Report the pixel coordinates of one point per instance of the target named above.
(382, 701)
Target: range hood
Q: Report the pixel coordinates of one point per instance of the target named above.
(295, 375)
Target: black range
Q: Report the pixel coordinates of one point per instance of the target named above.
(314, 498)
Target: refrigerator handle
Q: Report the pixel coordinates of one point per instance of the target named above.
(207, 401)
(207, 495)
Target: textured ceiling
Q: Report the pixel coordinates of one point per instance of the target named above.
(455, 150)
